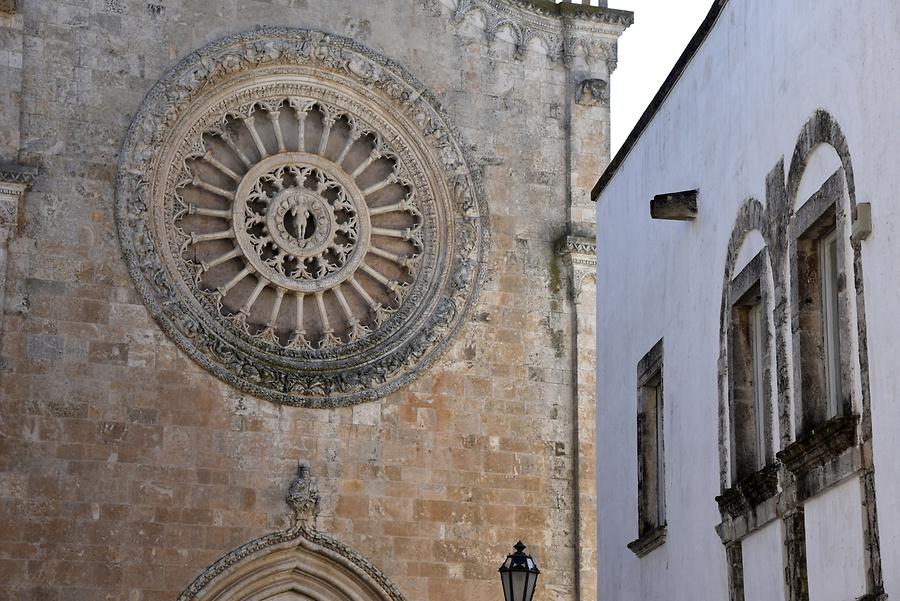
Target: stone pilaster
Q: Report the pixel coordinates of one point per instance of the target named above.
(579, 257)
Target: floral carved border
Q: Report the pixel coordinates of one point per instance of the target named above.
(294, 378)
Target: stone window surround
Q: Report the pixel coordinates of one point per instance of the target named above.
(817, 461)
(811, 221)
(246, 343)
(749, 496)
(651, 520)
(749, 288)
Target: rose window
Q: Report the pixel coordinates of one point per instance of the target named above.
(300, 217)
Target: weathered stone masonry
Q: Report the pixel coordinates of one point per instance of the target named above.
(127, 470)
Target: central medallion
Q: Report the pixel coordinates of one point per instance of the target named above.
(301, 222)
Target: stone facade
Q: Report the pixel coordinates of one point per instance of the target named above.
(129, 471)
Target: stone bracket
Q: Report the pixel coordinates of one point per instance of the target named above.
(649, 541)
(580, 254)
(862, 221)
(675, 206)
(14, 181)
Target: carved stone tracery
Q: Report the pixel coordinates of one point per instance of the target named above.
(300, 217)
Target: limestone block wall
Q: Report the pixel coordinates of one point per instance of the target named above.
(126, 469)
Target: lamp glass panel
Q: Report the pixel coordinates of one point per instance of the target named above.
(529, 587)
(519, 584)
(506, 579)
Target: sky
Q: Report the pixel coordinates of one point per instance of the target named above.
(647, 52)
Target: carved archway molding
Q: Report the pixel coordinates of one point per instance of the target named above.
(297, 564)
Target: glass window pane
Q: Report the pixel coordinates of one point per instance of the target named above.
(757, 338)
(830, 319)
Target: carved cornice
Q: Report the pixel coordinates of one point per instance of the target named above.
(565, 29)
(14, 181)
(750, 492)
(14, 173)
(580, 254)
(836, 436)
(585, 248)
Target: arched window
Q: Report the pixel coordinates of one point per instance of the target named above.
(821, 302)
(749, 366)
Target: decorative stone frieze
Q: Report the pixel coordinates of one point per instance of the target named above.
(13, 173)
(300, 217)
(300, 561)
(564, 29)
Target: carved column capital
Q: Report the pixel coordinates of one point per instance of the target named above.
(14, 181)
(580, 253)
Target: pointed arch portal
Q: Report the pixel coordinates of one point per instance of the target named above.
(297, 564)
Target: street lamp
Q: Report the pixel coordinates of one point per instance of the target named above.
(519, 575)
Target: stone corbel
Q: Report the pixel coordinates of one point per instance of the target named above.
(14, 181)
(580, 254)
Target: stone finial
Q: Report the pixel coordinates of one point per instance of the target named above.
(303, 495)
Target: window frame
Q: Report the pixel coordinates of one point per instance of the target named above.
(651, 493)
(812, 225)
(750, 361)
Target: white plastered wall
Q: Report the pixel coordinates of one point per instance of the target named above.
(737, 110)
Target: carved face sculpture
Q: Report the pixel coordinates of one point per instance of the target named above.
(300, 217)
